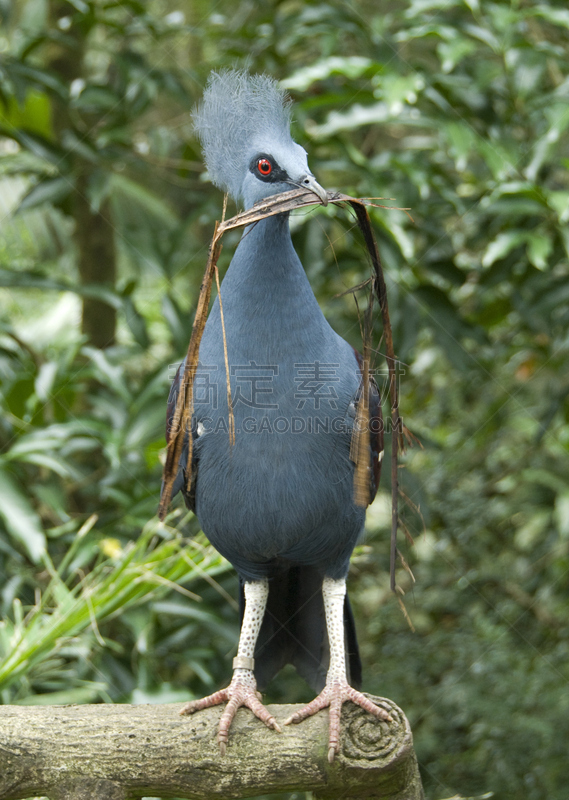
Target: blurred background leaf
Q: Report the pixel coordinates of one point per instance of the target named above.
(455, 110)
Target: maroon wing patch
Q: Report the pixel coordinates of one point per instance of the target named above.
(173, 399)
(180, 481)
(375, 429)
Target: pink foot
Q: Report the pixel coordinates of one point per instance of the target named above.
(237, 694)
(334, 695)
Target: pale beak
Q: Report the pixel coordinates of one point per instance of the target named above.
(311, 183)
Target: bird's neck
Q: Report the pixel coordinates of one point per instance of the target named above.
(265, 266)
(267, 247)
(267, 298)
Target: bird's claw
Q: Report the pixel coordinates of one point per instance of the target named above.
(236, 695)
(334, 694)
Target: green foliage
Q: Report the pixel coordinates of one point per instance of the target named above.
(145, 568)
(454, 110)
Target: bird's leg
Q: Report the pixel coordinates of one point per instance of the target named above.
(242, 691)
(337, 689)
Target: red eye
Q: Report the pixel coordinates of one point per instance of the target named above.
(264, 166)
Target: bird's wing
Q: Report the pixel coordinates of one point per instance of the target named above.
(181, 479)
(375, 429)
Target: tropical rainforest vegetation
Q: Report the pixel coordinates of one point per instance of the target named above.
(457, 110)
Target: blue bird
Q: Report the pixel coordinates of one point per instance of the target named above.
(278, 503)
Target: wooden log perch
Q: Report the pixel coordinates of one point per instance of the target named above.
(119, 752)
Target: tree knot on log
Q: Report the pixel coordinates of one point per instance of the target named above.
(376, 758)
(366, 738)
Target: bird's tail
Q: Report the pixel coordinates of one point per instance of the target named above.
(294, 631)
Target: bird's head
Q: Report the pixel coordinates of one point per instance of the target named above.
(243, 123)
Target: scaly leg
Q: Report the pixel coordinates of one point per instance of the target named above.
(242, 691)
(337, 689)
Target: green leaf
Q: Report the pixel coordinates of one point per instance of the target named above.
(135, 322)
(98, 188)
(559, 201)
(562, 514)
(49, 190)
(42, 440)
(80, 146)
(178, 321)
(503, 244)
(96, 100)
(539, 249)
(41, 147)
(38, 77)
(80, 695)
(20, 518)
(453, 52)
(350, 66)
(134, 193)
(398, 89)
(355, 117)
(484, 35)
(521, 189)
(557, 16)
(113, 374)
(548, 144)
(80, 6)
(419, 7)
(53, 463)
(25, 279)
(529, 533)
(500, 162)
(34, 115)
